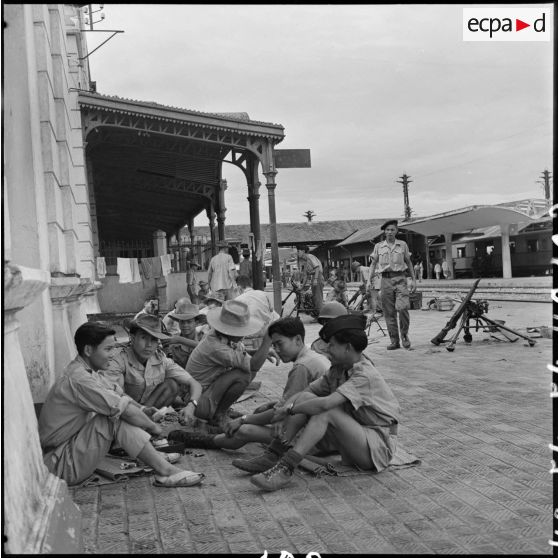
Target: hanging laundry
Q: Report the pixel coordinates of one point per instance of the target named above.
(147, 267)
(134, 266)
(151, 267)
(101, 267)
(124, 270)
(166, 265)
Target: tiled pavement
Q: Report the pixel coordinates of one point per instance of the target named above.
(480, 419)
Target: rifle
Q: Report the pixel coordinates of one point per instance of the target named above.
(360, 291)
(452, 322)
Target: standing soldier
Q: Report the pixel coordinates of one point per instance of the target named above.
(191, 267)
(221, 274)
(393, 259)
(245, 266)
(312, 274)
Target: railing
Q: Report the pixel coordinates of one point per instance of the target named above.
(198, 252)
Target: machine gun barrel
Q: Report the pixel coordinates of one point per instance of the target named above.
(452, 322)
(354, 297)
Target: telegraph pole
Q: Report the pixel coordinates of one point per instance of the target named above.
(546, 184)
(405, 181)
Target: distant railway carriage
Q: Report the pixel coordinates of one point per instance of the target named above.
(479, 252)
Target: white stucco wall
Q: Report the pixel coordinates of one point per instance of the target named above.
(45, 181)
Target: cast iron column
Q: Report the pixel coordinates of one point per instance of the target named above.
(270, 173)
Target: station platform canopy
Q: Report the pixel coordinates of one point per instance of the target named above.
(466, 219)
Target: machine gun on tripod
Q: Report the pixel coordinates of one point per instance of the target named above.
(473, 310)
(303, 303)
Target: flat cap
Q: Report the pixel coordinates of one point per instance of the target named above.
(347, 321)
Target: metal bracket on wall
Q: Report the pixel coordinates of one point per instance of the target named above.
(105, 41)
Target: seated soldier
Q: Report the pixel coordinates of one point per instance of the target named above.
(180, 346)
(338, 292)
(143, 371)
(287, 336)
(150, 306)
(260, 306)
(203, 291)
(212, 300)
(170, 324)
(329, 311)
(220, 362)
(84, 414)
(351, 408)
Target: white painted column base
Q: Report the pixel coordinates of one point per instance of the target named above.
(35, 501)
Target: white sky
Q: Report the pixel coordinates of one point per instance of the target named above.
(374, 91)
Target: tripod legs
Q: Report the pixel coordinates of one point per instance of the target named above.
(480, 322)
(501, 327)
(464, 320)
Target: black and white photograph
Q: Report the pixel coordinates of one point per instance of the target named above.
(278, 279)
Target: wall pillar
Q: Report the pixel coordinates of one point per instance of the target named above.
(39, 514)
(160, 249)
(506, 255)
(449, 253)
(72, 299)
(427, 255)
(159, 243)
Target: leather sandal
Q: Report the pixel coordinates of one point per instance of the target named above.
(183, 478)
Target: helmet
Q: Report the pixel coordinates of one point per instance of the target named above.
(332, 310)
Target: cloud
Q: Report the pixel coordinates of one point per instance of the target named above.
(373, 90)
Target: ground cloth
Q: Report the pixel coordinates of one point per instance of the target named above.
(113, 469)
(331, 465)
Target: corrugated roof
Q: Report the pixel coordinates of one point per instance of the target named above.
(235, 116)
(364, 235)
(297, 233)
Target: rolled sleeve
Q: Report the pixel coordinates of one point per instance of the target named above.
(125, 400)
(116, 371)
(175, 371)
(354, 389)
(298, 380)
(231, 358)
(92, 396)
(319, 387)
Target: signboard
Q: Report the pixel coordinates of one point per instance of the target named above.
(292, 158)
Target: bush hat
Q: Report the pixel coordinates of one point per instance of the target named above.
(222, 244)
(349, 321)
(233, 318)
(388, 223)
(185, 311)
(150, 324)
(217, 297)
